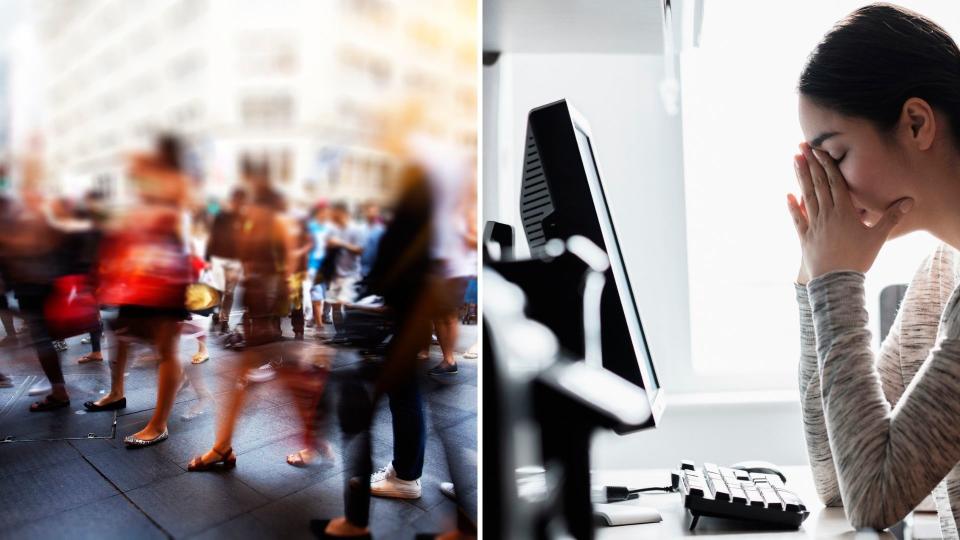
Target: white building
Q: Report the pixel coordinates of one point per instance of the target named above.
(301, 83)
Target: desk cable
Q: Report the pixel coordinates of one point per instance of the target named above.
(612, 494)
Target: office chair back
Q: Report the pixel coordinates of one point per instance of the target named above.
(890, 298)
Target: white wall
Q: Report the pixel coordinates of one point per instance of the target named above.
(638, 148)
(712, 430)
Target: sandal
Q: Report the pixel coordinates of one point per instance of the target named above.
(49, 403)
(199, 358)
(87, 358)
(226, 461)
(297, 458)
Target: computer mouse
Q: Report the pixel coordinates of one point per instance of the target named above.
(613, 515)
(760, 467)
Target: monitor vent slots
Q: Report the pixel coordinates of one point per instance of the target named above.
(535, 202)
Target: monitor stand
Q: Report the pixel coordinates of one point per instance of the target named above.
(566, 426)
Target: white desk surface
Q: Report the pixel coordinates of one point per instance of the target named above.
(822, 522)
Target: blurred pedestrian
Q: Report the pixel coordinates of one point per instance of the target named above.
(145, 271)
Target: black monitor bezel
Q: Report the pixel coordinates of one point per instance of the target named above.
(598, 194)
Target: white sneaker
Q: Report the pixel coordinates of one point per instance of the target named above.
(263, 373)
(448, 491)
(384, 483)
(40, 387)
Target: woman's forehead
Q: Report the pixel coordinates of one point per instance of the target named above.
(816, 121)
(815, 117)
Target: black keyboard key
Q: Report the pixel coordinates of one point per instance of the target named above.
(696, 485)
(719, 487)
(736, 492)
(687, 465)
(728, 474)
(775, 481)
(759, 478)
(792, 501)
(770, 496)
(753, 495)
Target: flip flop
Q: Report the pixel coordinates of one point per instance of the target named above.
(85, 359)
(199, 358)
(48, 404)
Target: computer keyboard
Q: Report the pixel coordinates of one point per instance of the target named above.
(736, 494)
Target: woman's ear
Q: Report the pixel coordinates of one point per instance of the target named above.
(918, 123)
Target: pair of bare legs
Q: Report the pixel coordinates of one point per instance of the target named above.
(194, 377)
(165, 339)
(233, 406)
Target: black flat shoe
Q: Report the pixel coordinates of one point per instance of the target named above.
(319, 529)
(112, 406)
(443, 370)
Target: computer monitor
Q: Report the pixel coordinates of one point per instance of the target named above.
(562, 195)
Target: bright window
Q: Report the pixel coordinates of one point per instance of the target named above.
(740, 131)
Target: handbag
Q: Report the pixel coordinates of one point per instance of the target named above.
(143, 271)
(71, 308)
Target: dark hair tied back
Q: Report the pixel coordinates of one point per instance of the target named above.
(878, 57)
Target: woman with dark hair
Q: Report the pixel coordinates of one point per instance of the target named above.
(880, 111)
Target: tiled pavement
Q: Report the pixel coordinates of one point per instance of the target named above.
(95, 488)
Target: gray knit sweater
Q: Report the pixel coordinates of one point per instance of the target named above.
(883, 431)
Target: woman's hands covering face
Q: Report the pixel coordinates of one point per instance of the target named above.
(832, 235)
